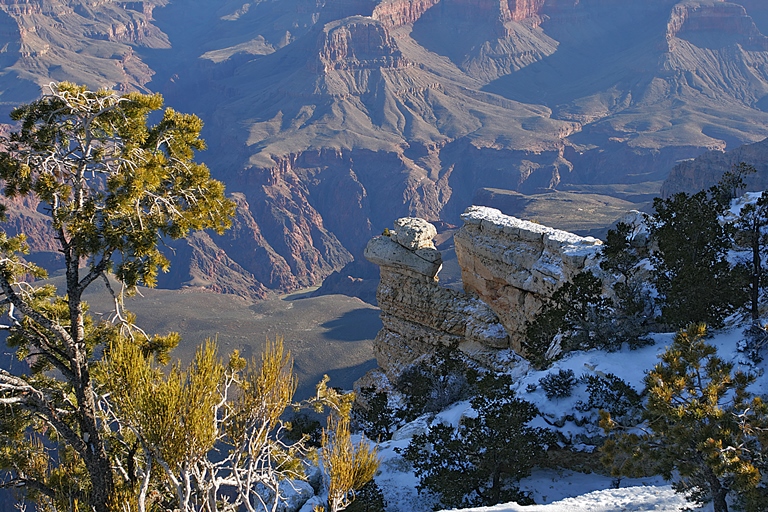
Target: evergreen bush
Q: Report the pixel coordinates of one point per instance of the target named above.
(558, 385)
(481, 462)
(433, 383)
(369, 498)
(609, 393)
(373, 415)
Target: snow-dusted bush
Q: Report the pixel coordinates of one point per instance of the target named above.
(433, 383)
(481, 462)
(558, 385)
(373, 414)
(701, 427)
(609, 393)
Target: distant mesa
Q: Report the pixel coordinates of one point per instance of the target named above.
(710, 23)
(357, 43)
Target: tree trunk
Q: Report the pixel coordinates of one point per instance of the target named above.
(96, 459)
(95, 455)
(718, 492)
(757, 270)
(718, 500)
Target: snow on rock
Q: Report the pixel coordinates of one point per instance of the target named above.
(514, 265)
(418, 314)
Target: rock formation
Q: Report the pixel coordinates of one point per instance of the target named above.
(702, 172)
(357, 43)
(723, 20)
(396, 13)
(417, 313)
(514, 265)
(509, 266)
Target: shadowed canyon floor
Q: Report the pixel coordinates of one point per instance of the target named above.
(326, 335)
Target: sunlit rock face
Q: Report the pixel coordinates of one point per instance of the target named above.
(515, 265)
(418, 314)
(509, 267)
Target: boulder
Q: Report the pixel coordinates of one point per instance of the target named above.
(414, 233)
(386, 252)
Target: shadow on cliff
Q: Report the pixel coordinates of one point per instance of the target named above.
(356, 325)
(342, 378)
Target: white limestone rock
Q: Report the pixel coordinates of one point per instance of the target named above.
(414, 233)
(410, 247)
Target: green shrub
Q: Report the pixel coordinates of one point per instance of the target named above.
(433, 383)
(558, 385)
(481, 462)
(368, 499)
(609, 393)
(374, 416)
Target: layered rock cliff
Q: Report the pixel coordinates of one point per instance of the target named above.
(715, 22)
(396, 13)
(356, 43)
(515, 265)
(330, 118)
(704, 171)
(417, 314)
(78, 40)
(508, 267)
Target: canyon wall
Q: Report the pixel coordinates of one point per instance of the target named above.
(509, 267)
(721, 19)
(356, 43)
(704, 171)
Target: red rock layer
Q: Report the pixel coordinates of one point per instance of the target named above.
(396, 13)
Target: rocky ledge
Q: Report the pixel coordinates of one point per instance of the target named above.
(509, 267)
(515, 265)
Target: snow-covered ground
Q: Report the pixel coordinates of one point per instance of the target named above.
(566, 491)
(627, 499)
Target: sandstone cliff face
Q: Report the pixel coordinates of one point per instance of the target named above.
(417, 314)
(395, 13)
(514, 265)
(78, 40)
(508, 267)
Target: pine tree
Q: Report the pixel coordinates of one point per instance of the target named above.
(701, 426)
(751, 229)
(111, 186)
(210, 431)
(691, 273)
(480, 462)
(347, 466)
(633, 306)
(577, 315)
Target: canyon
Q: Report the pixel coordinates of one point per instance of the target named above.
(328, 119)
